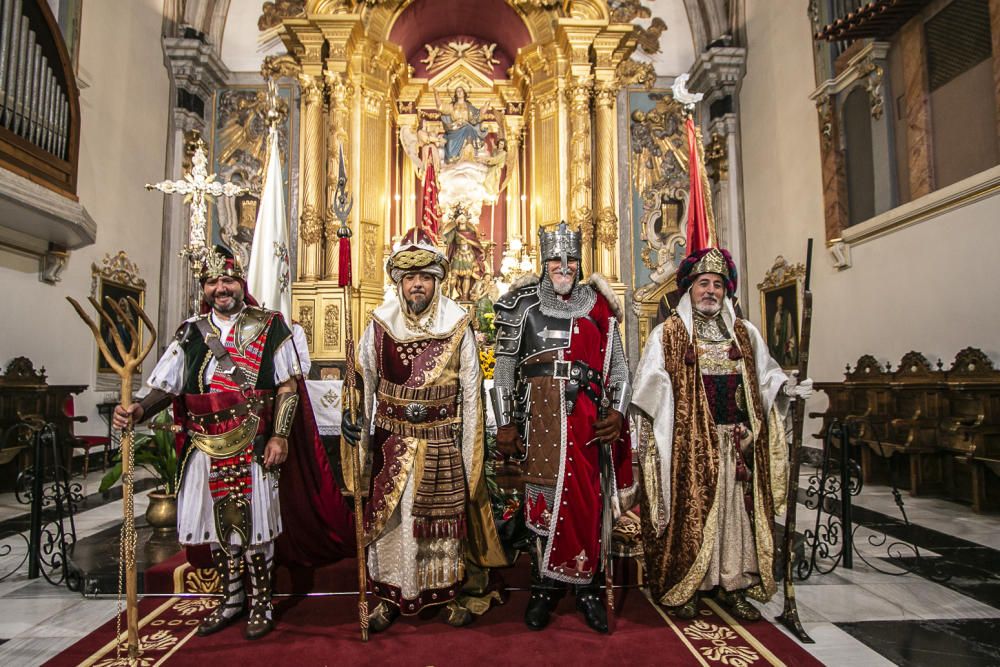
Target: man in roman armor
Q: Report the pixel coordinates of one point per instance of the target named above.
(428, 514)
(235, 383)
(713, 463)
(561, 388)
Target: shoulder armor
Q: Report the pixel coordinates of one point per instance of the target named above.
(510, 312)
(253, 321)
(187, 330)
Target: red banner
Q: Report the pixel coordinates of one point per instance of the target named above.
(430, 219)
(698, 233)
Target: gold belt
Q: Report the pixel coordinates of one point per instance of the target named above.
(223, 445)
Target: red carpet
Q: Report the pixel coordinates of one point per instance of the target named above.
(324, 631)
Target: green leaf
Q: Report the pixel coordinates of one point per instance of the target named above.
(111, 476)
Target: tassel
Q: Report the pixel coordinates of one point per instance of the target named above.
(689, 357)
(345, 262)
(734, 352)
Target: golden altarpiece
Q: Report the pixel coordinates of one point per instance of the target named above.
(372, 75)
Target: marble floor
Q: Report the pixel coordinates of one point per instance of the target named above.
(945, 612)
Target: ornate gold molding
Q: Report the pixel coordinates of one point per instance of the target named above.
(607, 227)
(781, 273)
(717, 157)
(331, 325)
(273, 13)
(275, 67)
(312, 225)
(116, 268)
(306, 321)
(632, 73)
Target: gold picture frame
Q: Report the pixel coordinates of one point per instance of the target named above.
(781, 294)
(117, 277)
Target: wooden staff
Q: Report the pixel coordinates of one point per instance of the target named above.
(790, 614)
(342, 205)
(131, 359)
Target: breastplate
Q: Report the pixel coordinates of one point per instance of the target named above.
(542, 333)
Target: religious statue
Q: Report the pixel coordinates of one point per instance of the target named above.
(423, 145)
(495, 163)
(463, 128)
(465, 255)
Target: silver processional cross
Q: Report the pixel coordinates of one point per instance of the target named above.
(197, 186)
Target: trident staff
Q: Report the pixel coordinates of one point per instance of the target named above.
(130, 359)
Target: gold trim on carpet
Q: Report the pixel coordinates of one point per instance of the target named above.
(736, 625)
(110, 646)
(722, 650)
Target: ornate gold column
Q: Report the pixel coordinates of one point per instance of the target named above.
(311, 229)
(515, 223)
(340, 92)
(606, 259)
(578, 93)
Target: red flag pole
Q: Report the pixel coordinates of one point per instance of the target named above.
(342, 208)
(699, 236)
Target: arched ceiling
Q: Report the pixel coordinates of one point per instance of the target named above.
(427, 21)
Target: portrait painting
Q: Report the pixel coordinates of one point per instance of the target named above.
(781, 316)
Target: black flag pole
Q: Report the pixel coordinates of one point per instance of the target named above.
(790, 614)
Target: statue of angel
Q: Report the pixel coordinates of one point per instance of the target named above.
(423, 145)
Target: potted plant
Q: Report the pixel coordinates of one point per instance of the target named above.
(156, 453)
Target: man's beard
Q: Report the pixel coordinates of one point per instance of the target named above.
(237, 304)
(709, 309)
(418, 306)
(562, 285)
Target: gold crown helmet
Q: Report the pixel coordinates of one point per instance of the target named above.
(415, 257)
(709, 260)
(220, 261)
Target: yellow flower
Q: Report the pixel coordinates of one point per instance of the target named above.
(487, 361)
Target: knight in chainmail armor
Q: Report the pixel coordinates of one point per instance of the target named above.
(561, 387)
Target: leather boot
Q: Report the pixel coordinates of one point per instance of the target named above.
(382, 616)
(261, 611)
(233, 605)
(540, 606)
(545, 593)
(589, 602)
(738, 605)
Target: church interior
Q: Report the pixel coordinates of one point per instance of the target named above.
(846, 153)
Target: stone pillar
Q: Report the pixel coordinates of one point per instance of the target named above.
(198, 71)
(606, 145)
(578, 93)
(313, 160)
(337, 139)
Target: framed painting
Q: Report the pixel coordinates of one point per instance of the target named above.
(781, 311)
(117, 279)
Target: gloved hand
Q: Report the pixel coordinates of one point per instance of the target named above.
(509, 441)
(802, 390)
(609, 428)
(350, 429)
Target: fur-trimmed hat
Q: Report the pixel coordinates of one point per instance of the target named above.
(707, 260)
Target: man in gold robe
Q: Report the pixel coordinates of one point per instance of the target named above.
(713, 456)
(428, 513)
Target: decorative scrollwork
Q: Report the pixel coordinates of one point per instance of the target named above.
(46, 487)
(830, 542)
